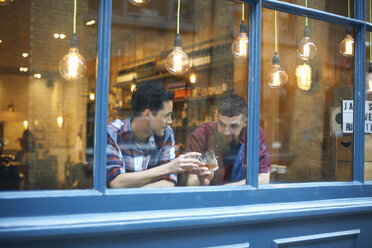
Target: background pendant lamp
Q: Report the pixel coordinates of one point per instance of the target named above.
(72, 66)
(303, 76)
(240, 44)
(139, 2)
(347, 44)
(177, 61)
(306, 49)
(277, 77)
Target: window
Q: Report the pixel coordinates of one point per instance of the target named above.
(47, 122)
(96, 199)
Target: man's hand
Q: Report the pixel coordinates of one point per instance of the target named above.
(188, 162)
(205, 176)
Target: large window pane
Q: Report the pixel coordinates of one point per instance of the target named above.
(46, 121)
(303, 122)
(142, 38)
(343, 7)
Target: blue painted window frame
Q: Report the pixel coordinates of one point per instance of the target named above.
(102, 200)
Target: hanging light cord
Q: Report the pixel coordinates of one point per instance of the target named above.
(74, 31)
(348, 8)
(276, 34)
(178, 17)
(242, 11)
(306, 7)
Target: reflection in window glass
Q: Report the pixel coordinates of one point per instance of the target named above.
(343, 7)
(46, 121)
(303, 120)
(140, 46)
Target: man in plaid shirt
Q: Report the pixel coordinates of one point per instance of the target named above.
(140, 149)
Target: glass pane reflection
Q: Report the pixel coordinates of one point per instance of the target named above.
(46, 125)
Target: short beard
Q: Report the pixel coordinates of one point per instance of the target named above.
(223, 145)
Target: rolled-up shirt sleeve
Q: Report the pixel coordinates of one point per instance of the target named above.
(114, 165)
(168, 153)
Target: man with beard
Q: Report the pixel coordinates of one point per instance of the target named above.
(227, 138)
(140, 149)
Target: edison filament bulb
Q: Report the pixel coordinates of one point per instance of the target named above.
(240, 44)
(177, 61)
(139, 2)
(277, 77)
(303, 76)
(72, 66)
(347, 45)
(306, 49)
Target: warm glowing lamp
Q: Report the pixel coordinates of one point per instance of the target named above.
(72, 66)
(25, 124)
(177, 61)
(92, 96)
(277, 77)
(303, 76)
(192, 78)
(139, 2)
(60, 121)
(240, 44)
(347, 45)
(306, 49)
(132, 87)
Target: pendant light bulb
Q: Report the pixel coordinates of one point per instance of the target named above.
(347, 45)
(192, 78)
(277, 77)
(139, 3)
(303, 76)
(306, 49)
(240, 44)
(72, 66)
(177, 61)
(369, 79)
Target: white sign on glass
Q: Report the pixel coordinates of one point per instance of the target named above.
(347, 116)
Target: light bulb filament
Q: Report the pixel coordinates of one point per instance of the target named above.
(177, 60)
(349, 47)
(73, 63)
(242, 47)
(306, 51)
(276, 79)
(303, 75)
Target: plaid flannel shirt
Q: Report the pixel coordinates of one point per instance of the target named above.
(124, 155)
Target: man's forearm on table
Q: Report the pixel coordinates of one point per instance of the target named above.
(141, 178)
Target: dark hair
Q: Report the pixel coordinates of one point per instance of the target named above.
(233, 105)
(150, 96)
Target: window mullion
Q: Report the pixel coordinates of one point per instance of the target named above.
(100, 135)
(252, 158)
(359, 94)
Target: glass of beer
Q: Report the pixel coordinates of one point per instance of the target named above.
(210, 160)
